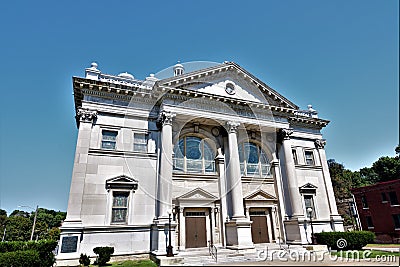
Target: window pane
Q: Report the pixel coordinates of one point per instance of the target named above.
(119, 215)
(193, 149)
(253, 153)
(396, 220)
(309, 157)
(140, 147)
(178, 164)
(140, 138)
(393, 198)
(120, 200)
(209, 165)
(194, 165)
(309, 203)
(370, 224)
(108, 139)
(109, 135)
(108, 145)
(208, 151)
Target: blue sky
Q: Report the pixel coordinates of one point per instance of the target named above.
(340, 56)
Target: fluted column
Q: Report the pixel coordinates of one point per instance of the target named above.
(85, 119)
(320, 145)
(166, 165)
(235, 183)
(294, 194)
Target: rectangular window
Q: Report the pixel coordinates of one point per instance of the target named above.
(396, 220)
(364, 202)
(108, 140)
(309, 156)
(294, 153)
(393, 198)
(309, 203)
(140, 142)
(120, 207)
(369, 222)
(384, 198)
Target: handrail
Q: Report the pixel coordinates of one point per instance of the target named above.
(213, 251)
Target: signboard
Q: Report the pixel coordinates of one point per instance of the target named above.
(69, 244)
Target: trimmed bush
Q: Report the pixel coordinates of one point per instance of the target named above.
(84, 260)
(44, 248)
(104, 255)
(354, 240)
(20, 258)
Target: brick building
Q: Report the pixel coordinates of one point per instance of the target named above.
(379, 210)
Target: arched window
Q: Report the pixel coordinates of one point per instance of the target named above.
(194, 155)
(253, 160)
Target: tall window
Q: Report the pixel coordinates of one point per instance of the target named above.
(364, 202)
(253, 160)
(294, 153)
(309, 156)
(393, 198)
(309, 203)
(396, 221)
(194, 155)
(139, 142)
(384, 198)
(120, 207)
(108, 140)
(370, 224)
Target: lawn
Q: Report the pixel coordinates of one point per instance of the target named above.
(132, 263)
(383, 246)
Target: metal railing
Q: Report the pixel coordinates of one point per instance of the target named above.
(213, 251)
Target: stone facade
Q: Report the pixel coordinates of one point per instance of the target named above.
(218, 153)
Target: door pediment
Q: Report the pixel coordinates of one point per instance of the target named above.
(197, 194)
(260, 195)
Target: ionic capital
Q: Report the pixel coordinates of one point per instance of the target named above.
(320, 143)
(285, 133)
(86, 115)
(166, 117)
(232, 126)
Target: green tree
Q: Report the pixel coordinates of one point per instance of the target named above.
(18, 228)
(387, 168)
(3, 212)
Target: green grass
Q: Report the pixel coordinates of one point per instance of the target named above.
(364, 254)
(383, 245)
(136, 263)
(131, 263)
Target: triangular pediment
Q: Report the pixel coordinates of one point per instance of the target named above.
(228, 80)
(121, 182)
(197, 193)
(308, 188)
(260, 195)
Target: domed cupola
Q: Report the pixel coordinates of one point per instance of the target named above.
(178, 69)
(126, 75)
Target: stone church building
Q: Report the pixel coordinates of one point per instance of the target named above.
(225, 157)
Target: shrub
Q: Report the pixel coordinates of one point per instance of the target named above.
(44, 248)
(84, 260)
(104, 255)
(20, 258)
(354, 239)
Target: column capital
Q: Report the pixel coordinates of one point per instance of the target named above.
(285, 133)
(165, 117)
(320, 143)
(86, 115)
(232, 126)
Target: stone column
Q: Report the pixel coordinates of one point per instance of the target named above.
(166, 165)
(220, 162)
(238, 230)
(294, 194)
(335, 217)
(85, 119)
(160, 227)
(281, 197)
(235, 183)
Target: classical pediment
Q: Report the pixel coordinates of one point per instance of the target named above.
(308, 188)
(197, 194)
(228, 80)
(260, 195)
(122, 182)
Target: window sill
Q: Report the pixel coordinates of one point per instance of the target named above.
(395, 205)
(194, 175)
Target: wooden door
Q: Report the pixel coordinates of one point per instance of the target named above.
(196, 236)
(259, 231)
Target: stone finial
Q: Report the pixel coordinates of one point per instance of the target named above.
(232, 126)
(86, 115)
(178, 69)
(320, 143)
(94, 65)
(92, 72)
